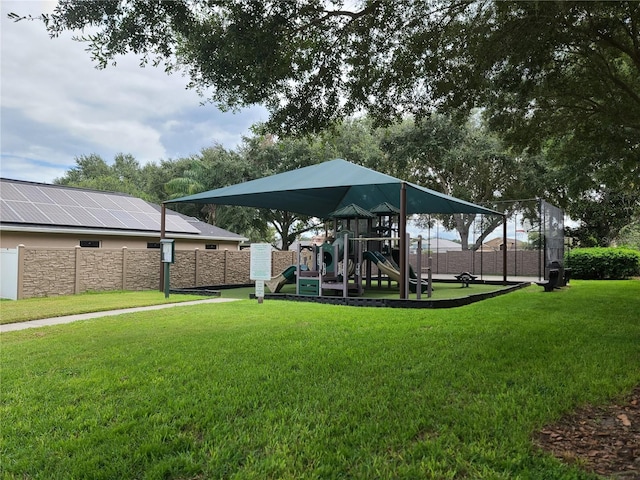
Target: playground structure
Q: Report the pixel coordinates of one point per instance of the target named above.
(333, 269)
(338, 266)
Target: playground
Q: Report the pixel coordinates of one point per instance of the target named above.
(354, 271)
(367, 247)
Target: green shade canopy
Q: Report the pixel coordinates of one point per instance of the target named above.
(319, 190)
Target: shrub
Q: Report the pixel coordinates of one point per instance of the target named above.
(603, 263)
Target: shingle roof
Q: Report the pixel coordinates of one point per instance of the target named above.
(40, 204)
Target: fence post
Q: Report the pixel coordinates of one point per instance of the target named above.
(225, 266)
(20, 279)
(76, 288)
(124, 268)
(196, 273)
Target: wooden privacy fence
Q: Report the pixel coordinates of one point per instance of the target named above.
(67, 271)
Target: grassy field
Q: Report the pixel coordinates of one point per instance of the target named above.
(297, 390)
(36, 308)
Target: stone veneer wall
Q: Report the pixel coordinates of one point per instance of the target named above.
(141, 269)
(211, 269)
(46, 272)
(281, 260)
(98, 270)
(520, 262)
(65, 271)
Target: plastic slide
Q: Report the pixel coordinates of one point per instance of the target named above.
(288, 275)
(388, 268)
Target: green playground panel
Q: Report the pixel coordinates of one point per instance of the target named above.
(309, 286)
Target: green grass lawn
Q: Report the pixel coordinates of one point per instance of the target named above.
(36, 308)
(289, 390)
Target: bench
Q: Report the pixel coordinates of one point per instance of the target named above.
(552, 283)
(465, 278)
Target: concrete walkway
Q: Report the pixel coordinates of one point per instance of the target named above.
(44, 322)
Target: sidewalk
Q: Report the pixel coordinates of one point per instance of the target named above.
(44, 322)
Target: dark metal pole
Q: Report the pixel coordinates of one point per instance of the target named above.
(540, 244)
(504, 249)
(163, 213)
(515, 244)
(481, 249)
(403, 241)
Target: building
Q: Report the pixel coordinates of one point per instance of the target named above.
(440, 245)
(495, 245)
(43, 215)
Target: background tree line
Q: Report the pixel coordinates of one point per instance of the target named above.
(466, 161)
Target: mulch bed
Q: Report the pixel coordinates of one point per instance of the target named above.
(604, 440)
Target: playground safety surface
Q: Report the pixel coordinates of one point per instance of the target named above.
(424, 302)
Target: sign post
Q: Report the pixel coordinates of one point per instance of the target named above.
(168, 254)
(260, 267)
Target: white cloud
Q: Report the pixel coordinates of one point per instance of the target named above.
(56, 105)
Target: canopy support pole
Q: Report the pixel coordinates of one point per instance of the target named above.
(402, 224)
(163, 214)
(504, 249)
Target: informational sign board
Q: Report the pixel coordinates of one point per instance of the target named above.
(168, 250)
(260, 262)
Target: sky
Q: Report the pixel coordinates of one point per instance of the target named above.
(56, 106)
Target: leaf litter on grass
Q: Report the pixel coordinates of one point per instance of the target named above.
(604, 440)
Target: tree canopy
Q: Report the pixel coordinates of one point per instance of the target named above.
(467, 162)
(557, 78)
(534, 64)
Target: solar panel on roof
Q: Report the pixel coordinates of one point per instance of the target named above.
(7, 213)
(29, 212)
(35, 194)
(53, 205)
(145, 207)
(85, 200)
(106, 218)
(110, 204)
(60, 197)
(57, 214)
(127, 204)
(84, 217)
(146, 222)
(176, 224)
(10, 192)
(126, 218)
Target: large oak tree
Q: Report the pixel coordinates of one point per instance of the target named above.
(561, 77)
